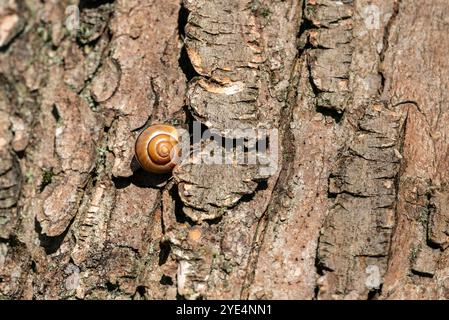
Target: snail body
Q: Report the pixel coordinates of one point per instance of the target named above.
(157, 149)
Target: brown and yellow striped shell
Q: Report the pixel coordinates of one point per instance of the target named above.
(157, 148)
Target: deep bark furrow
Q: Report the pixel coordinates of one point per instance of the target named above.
(355, 205)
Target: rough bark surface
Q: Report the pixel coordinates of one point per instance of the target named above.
(358, 207)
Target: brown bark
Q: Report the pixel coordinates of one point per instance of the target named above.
(357, 209)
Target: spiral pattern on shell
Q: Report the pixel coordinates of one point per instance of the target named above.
(157, 148)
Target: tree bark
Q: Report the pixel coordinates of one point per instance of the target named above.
(357, 208)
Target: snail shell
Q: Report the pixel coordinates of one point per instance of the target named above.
(157, 148)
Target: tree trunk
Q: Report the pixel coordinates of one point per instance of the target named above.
(356, 208)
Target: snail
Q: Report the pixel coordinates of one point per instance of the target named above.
(157, 148)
